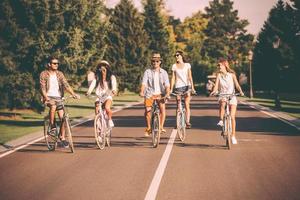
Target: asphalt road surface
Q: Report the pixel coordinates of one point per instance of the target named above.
(265, 164)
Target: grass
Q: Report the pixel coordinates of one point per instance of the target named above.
(17, 123)
(290, 103)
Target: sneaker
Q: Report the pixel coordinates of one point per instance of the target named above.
(65, 143)
(220, 123)
(147, 132)
(111, 123)
(233, 140)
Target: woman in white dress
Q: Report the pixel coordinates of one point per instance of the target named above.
(182, 80)
(105, 83)
(225, 84)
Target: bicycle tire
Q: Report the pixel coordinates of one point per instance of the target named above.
(99, 131)
(68, 134)
(51, 140)
(227, 131)
(181, 126)
(108, 137)
(155, 130)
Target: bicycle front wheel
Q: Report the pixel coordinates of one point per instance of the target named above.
(99, 129)
(50, 136)
(69, 134)
(181, 126)
(227, 129)
(155, 130)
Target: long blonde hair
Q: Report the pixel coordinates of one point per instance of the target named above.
(226, 64)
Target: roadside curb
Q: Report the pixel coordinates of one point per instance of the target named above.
(39, 135)
(293, 121)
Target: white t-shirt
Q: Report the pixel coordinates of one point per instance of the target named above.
(182, 75)
(156, 84)
(53, 86)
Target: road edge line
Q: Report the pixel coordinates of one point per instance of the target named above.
(6, 153)
(270, 114)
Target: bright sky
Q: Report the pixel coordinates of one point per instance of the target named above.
(255, 11)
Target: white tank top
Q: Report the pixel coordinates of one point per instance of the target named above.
(226, 83)
(182, 75)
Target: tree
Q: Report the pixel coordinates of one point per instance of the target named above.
(31, 31)
(226, 36)
(155, 24)
(127, 45)
(273, 60)
(191, 34)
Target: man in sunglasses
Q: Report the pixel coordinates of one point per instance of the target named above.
(155, 85)
(53, 83)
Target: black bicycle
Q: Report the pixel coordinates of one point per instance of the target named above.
(52, 135)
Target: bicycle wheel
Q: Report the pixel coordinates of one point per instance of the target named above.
(108, 137)
(155, 130)
(68, 134)
(227, 134)
(181, 126)
(50, 137)
(99, 128)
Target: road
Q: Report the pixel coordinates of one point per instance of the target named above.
(263, 165)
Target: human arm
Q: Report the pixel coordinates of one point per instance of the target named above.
(172, 81)
(237, 85)
(91, 88)
(191, 80)
(216, 86)
(114, 85)
(43, 82)
(143, 84)
(67, 86)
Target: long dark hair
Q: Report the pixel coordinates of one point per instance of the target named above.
(182, 55)
(98, 75)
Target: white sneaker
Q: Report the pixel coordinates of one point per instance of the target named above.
(220, 123)
(233, 140)
(111, 123)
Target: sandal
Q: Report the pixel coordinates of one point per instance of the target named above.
(188, 125)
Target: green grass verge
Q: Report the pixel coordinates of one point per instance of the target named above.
(290, 103)
(17, 123)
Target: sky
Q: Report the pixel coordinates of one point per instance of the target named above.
(255, 11)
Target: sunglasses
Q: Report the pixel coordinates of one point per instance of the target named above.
(55, 63)
(155, 61)
(176, 55)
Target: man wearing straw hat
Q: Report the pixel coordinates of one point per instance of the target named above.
(155, 85)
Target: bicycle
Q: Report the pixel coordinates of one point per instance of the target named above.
(102, 129)
(52, 137)
(227, 126)
(155, 122)
(181, 115)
